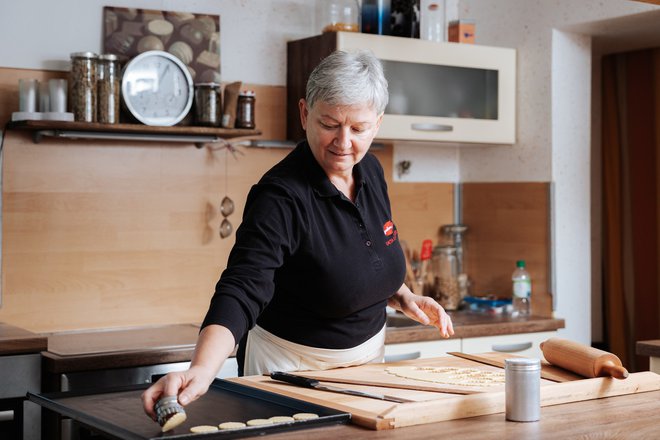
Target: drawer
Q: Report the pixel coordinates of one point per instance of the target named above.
(417, 350)
(522, 344)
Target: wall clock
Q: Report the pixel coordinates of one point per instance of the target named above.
(157, 88)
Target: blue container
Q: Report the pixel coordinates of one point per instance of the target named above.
(376, 17)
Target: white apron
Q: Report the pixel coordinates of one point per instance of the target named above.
(265, 352)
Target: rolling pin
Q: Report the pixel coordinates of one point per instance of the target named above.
(582, 359)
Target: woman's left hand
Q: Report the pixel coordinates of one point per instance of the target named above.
(422, 309)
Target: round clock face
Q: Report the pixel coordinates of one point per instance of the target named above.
(157, 88)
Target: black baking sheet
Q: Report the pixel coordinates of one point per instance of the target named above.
(117, 413)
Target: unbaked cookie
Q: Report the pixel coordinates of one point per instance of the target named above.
(257, 422)
(203, 428)
(231, 425)
(305, 416)
(174, 421)
(281, 419)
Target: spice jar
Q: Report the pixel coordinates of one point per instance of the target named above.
(245, 109)
(338, 15)
(108, 89)
(83, 82)
(208, 104)
(522, 377)
(444, 267)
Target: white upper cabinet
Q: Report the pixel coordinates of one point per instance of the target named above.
(442, 92)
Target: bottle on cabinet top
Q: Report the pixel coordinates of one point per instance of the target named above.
(338, 15)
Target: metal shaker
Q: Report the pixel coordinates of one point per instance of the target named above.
(522, 389)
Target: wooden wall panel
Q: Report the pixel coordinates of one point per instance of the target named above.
(103, 234)
(508, 222)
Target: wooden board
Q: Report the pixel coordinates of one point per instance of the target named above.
(436, 406)
(376, 375)
(549, 372)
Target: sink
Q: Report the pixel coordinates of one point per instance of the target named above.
(400, 320)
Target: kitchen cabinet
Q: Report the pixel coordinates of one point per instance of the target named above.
(424, 349)
(441, 92)
(522, 344)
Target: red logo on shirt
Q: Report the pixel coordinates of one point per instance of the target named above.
(388, 228)
(390, 231)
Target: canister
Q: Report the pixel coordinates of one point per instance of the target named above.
(522, 389)
(83, 82)
(108, 89)
(245, 109)
(208, 104)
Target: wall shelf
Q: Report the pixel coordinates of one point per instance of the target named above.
(124, 132)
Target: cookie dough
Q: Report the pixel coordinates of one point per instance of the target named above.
(231, 425)
(450, 375)
(203, 428)
(305, 416)
(281, 419)
(257, 422)
(174, 421)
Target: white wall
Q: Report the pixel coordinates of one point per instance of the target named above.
(41, 34)
(553, 127)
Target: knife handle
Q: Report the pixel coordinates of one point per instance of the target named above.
(293, 379)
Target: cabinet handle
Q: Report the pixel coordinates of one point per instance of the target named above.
(510, 348)
(420, 126)
(403, 356)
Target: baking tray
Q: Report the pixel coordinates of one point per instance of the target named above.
(117, 413)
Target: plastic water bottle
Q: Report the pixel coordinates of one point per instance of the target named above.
(522, 290)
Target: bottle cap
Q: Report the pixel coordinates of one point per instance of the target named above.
(520, 263)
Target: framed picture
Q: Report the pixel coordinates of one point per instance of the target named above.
(193, 38)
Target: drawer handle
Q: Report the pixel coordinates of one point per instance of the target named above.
(6, 416)
(510, 348)
(403, 356)
(420, 126)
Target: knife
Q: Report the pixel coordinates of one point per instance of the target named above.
(313, 383)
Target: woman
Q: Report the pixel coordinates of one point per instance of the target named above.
(317, 256)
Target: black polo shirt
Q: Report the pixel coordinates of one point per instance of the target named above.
(309, 265)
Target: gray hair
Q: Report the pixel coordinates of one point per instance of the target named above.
(344, 78)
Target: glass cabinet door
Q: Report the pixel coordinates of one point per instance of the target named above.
(446, 92)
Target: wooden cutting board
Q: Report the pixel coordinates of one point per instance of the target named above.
(496, 359)
(436, 406)
(377, 375)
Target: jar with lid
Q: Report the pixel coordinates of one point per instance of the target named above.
(445, 288)
(338, 15)
(208, 104)
(108, 88)
(245, 109)
(82, 86)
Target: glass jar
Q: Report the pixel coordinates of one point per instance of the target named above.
(108, 89)
(338, 15)
(208, 104)
(444, 265)
(245, 109)
(83, 82)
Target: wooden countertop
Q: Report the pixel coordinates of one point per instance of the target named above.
(15, 340)
(649, 348)
(132, 347)
(628, 416)
(473, 325)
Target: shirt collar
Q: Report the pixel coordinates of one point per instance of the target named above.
(320, 181)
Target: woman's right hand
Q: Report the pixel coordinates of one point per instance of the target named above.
(188, 385)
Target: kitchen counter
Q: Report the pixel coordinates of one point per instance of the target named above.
(472, 325)
(628, 416)
(119, 348)
(15, 340)
(652, 350)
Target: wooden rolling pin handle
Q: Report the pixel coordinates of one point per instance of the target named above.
(611, 369)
